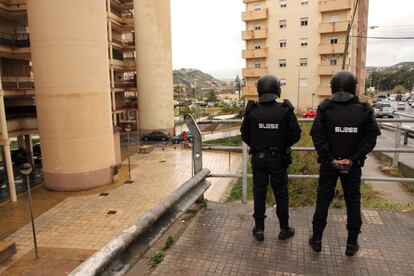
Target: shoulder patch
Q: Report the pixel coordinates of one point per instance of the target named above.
(325, 104)
(250, 105)
(288, 104)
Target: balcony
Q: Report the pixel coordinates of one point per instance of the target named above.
(249, 91)
(17, 83)
(327, 70)
(251, 1)
(326, 49)
(324, 90)
(254, 53)
(13, 5)
(333, 27)
(254, 15)
(254, 34)
(254, 72)
(334, 5)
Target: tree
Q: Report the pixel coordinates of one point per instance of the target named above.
(212, 97)
(399, 89)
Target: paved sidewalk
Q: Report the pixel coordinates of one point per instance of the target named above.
(83, 222)
(219, 242)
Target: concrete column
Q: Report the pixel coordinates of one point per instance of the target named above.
(154, 65)
(6, 147)
(69, 47)
(20, 142)
(29, 148)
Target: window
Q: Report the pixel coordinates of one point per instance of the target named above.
(303, 82)
(257, 27)
(303, 42)
(257, 47)
(333, 61)
(282, 62)
(258, 65)
(282, 24)
(334, 18)
(257, 7)
(283, 3)
(334, 40)
(303, 62)
(304, 21)
(282, 43)
(304, 2)
(282, 82)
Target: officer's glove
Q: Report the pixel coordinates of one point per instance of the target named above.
(343, 166)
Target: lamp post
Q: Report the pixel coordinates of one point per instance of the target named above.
(129, 181)
(238, 85)
(297, 100)
(26, 169)
(313, 97)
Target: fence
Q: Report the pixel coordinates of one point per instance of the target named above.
(244, 176)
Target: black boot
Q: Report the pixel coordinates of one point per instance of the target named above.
(352, 245)
(258, 230)
(315, 243)
(286, 233)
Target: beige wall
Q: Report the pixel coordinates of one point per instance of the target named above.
(70, 64)
(154, 66)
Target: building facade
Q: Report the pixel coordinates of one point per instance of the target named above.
(303, 43)
(68, 73)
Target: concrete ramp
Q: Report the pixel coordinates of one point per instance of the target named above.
(219, 242)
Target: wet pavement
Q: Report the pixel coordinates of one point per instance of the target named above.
(219, 242)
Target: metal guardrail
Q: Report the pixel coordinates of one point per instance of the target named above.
(122, 252)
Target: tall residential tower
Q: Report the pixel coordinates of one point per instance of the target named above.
(303, 43)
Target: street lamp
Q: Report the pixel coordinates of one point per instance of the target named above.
(238, 85)
(26, 169)
(297, 102)
(128, 130)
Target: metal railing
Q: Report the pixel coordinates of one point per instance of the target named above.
(17, 83)
(244, 149)
(15, 40)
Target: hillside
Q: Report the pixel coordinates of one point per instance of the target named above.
(408, 65)
(188, 77)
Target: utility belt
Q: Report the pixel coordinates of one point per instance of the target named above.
(359, 163)
(272, 152)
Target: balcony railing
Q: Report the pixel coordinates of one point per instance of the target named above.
(325, 49)
(254, 34)
(333, 27)
(328, 69)
(15, 40)
(254, 53)
(334, 5)
(254, 15)
(17, 83)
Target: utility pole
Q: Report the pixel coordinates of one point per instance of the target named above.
(298, 96)
(348, 33)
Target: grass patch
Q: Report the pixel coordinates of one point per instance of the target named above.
(187, 217)
(168, 242)
(302, 192)
(231, 141)
(155, 260)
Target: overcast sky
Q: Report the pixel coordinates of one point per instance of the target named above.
(207, 34)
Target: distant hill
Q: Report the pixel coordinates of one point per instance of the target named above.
(408, 65)
(188, 77)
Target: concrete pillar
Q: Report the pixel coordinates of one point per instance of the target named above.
(20, 142)
(69, 50)
(29, 148)
(6, 147)
(154, 65)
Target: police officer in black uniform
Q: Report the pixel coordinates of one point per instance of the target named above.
(344, 132)
(270, 128)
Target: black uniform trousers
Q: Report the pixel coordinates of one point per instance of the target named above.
(264, 167)
(351, 184)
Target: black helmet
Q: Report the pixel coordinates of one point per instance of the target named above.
(344, 81)
(268, 87)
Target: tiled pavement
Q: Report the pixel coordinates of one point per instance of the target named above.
(83, 223)
(219, 242)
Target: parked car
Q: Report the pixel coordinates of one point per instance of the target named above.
(157, 135)
(401, 106)
(383, 110)
(310, 113)
(179, 138)
(19, 156)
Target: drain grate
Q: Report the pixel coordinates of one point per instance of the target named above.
(163, 161)
(104, 194)
(111, 212)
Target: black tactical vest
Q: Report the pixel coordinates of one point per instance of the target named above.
(345, 126)
(269, 126)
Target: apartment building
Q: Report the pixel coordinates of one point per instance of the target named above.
(303, 43)
(69, 71)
